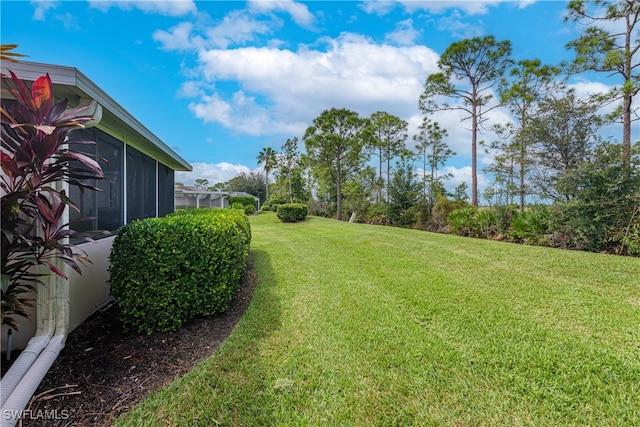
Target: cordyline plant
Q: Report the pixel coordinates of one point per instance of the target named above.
(35, 158)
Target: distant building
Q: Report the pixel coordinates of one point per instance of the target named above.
(187, 197)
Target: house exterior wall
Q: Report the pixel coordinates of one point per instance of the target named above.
(90, 291)
(139, 183)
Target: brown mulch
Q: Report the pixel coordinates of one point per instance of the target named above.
(103, 371)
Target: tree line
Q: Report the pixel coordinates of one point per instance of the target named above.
(552, 150)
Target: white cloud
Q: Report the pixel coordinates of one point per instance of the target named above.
(213, 172)
(237, 28)
(404, 35)
(454, 23)
(41, 7)
(298, 11)
(463, 174)
(437, 7)
(179, 37)
(284, 90)
(162, 7)
(378, 7)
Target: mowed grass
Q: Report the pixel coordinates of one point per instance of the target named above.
(358, 325)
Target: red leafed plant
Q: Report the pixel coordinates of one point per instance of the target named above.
(35, 159)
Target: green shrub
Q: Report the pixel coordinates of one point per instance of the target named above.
(292, 212)
(504, 216)
(441, 211)
(166, 271)
(462, 221)
(246, 203)
(486, 225)
(273, 203)
(377, 214)
(533, 225)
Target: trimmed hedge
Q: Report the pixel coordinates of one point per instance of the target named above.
(166, 271)
(292, 212)
(248, 203)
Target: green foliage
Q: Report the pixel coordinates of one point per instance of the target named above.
(245, 203)
(252, 183)
(603, 202)
(334, 146)
(377, 214)
(166, 271)
(504, 217)
(473, 222)
(292, 212)
(441, 211)
(404, 190)
(478, 62)
(462, 221)
(273, 203)
(267, 156)
(532, 225)
(629, 239)
(35, 158)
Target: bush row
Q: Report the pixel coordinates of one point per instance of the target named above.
(547, 225)
(292, 212)
(166, 271)
(245, 203)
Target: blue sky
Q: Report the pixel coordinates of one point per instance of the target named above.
(219, 80)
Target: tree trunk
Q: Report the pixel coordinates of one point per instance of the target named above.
(339, 194)
(626, 136)
(474, 166)
(266, 185)
(379, 192)
(626, 109)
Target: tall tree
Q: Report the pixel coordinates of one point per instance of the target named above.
(565, 131)
(528, 81)
(267, 156)
(334, 147)
(289, 162)
(434, 154)
(618, 52)
(388, 135)
(480, 62)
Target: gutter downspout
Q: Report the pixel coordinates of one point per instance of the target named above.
(26, 373)
(24, 390)
(40, 340)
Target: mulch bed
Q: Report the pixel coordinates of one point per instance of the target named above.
(103, 371)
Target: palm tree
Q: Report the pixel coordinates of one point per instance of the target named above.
(267, 156)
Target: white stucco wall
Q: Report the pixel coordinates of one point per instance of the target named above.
(87, 293)
(90, 291)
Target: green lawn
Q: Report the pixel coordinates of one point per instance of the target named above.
(365, 325)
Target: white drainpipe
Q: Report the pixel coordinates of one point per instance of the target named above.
(23, 378)
(28, 370)
(40, 340)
